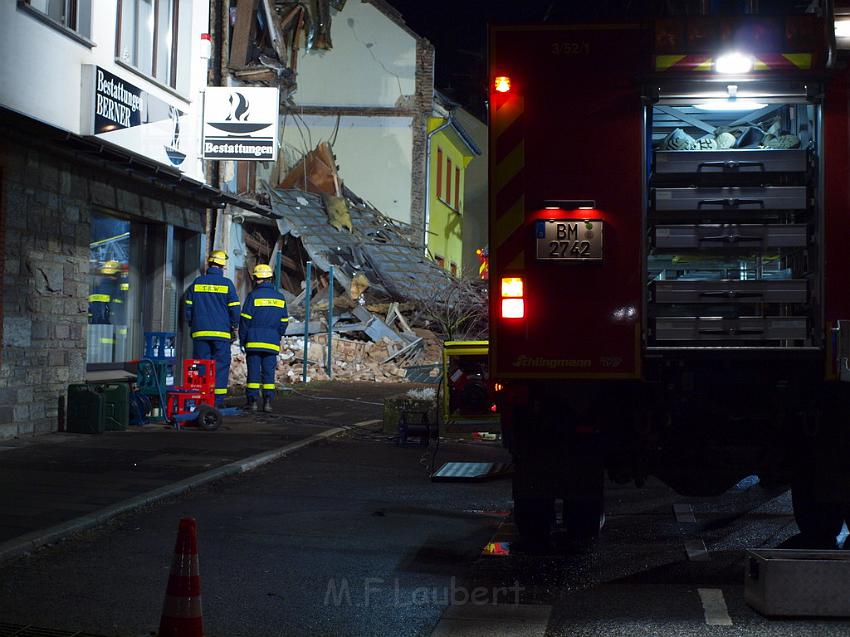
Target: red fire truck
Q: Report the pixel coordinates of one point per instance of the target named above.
(670, 283)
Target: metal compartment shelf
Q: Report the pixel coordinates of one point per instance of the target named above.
(730, 236)
(730, 162)
(748, 328)
(735, 198)
(724, 291)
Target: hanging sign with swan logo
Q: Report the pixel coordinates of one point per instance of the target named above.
(241, 123)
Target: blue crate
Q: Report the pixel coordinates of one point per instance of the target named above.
(160, 345)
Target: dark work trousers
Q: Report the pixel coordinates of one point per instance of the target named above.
(217, 350)
(261, 368)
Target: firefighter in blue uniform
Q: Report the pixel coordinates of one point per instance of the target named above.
(104, 296)
(212, 311)
(263, 324)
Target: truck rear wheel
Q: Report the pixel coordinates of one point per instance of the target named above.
(533, 518)
(583, 521)
(819, 521)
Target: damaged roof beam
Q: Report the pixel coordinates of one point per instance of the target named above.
(242, 31)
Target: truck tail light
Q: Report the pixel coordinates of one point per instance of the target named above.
(513, 297)
(512, 287)
(513, 308)
(502, 84)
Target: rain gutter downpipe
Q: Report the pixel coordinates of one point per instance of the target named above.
(428, 178)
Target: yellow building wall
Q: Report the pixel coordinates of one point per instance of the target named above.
(445, 214)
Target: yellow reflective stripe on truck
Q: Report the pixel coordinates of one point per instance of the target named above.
(508, 166)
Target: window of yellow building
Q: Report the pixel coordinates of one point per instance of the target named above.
(457, 189)
(448, 182)
(439, 173)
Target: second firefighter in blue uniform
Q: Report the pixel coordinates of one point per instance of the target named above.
(212, 311)
(263, 324)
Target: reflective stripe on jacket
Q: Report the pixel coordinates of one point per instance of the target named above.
(264, 319)
(212, 306)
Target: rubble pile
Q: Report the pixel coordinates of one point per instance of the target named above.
(352, 360)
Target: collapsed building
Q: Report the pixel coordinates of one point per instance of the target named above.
(385, 299)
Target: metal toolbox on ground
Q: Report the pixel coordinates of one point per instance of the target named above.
(731, 199)
(783, 582)
(761, 291)
(730, 236)
(748, 328)
(730, 162)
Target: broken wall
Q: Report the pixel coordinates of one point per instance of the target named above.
(372, 63)
(374, 155)
(369, 95)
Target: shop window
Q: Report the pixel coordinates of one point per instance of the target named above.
(147, 37)
(453, 267)
(457, 189)
(441, 261)
(112, 325)
(71, 14)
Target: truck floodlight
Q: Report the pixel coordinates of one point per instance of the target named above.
(730, 105)
(733, 63)
(569, 204)
(502, 84)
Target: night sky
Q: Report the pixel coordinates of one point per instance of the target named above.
(458, 28)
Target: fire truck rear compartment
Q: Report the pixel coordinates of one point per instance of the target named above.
(732, 226)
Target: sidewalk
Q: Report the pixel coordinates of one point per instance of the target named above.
(61, 483)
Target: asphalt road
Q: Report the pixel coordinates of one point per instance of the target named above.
(347, 537)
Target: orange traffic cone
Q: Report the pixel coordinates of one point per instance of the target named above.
(181, 612)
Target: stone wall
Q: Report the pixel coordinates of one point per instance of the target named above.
(45, 207)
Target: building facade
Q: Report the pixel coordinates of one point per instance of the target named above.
(371, 95)
(475, 193)
(451, 150)
(103, 204)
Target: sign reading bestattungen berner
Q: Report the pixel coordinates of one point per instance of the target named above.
(241, 123)
(116, 110)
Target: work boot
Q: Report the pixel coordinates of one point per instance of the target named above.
(267, 405)
(252, 405)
